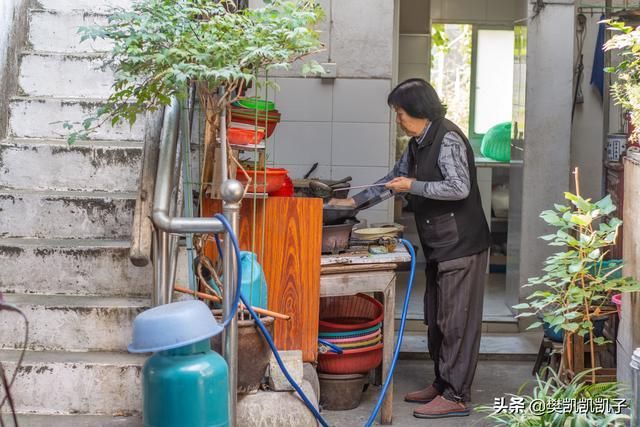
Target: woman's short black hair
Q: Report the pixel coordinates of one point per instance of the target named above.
(418, 98)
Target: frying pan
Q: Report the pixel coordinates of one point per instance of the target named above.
(321, 189)
(334, 215)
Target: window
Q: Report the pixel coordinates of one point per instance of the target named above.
(493, 86)
(451, 69)
(472, 70)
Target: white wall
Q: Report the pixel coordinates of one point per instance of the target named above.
(12, 28)
(586, 140)
(342, 123)
(414, 49)
(477, 11)
(547, 144)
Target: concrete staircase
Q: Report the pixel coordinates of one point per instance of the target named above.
(66, 216)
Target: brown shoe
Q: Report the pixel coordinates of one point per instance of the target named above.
(440, 407)
(425, 395)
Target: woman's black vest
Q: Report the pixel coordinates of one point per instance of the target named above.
(447, 229)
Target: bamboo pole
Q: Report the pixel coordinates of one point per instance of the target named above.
(217, 299)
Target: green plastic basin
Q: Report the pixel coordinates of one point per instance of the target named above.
(257, 104)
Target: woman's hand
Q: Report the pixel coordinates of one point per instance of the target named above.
(348, 203)
(400, 185)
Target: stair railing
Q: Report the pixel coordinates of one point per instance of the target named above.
(157, 240)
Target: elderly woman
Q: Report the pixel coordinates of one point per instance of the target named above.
(438, 172)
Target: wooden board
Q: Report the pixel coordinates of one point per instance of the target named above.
(293, 242)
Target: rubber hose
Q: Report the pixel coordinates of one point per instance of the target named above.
(236, 248)
(405, 307)
(264, 331)
(332, 346)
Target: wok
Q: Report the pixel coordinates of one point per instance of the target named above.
(334, 215)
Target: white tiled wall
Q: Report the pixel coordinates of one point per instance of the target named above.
(360, 144)
(361, 100)
(343, 124)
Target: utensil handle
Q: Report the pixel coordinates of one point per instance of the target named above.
(359, 186)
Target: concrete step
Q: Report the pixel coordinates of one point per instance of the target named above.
(51, 164)
(57, 31)
(42, 117)
(71, 267)
(54, 382)
(71, 323)
(34, 420)
(490, 325)
(80, 75)
(66, 214)
(493, 346)
(75, 5)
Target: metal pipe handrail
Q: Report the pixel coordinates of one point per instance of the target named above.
(168, 225)
(164, 183)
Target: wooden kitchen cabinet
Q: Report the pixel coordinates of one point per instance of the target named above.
(291, 263)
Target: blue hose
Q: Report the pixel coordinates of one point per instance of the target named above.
(236, 248)
(264, 331)
(272, 345)
(218, 244)
(332, 346)
(396, 352)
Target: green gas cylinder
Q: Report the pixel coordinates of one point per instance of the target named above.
(186, 387)
(184, 383)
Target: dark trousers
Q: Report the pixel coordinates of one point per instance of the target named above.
(453, 313)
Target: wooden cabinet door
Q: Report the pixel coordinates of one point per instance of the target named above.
(291, 263)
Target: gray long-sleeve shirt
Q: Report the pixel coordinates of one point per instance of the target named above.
(453, 165)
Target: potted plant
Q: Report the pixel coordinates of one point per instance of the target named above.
(161, 47)
(576, 289)
(556, 403)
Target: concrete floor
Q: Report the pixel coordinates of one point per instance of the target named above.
(493, 379)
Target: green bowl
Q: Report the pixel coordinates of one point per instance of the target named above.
(257, 104)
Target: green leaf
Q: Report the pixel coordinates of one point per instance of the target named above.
(571, 327)
(521, 306)
(551, 218)
(526, 314)
(582, 220)
(534, 325)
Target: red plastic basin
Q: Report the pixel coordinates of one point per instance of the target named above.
(274, 180)
(356, 361)
(270, 124)
(244, 136)
(349, 313)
